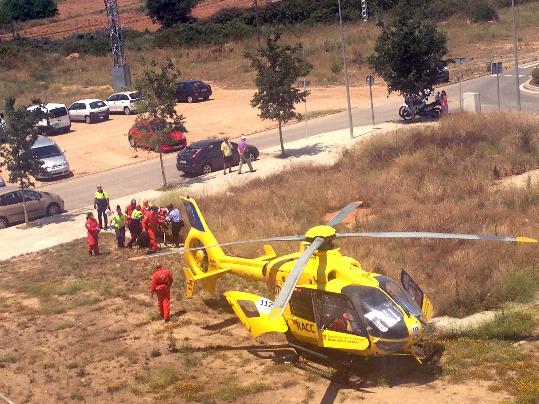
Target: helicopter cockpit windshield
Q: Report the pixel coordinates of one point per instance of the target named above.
(381, 316)
(398, 294)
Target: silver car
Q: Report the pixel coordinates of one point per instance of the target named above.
(125, 102)
(38, 204)
(89, 111)
(54, 161)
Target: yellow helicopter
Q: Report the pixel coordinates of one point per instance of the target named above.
(326, 303)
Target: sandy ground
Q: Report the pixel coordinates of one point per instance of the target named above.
(104, 344)
(104, 145)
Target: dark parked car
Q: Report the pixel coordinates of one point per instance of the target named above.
(193, 90)
(205, 156)
(442, 76)
(142, 130)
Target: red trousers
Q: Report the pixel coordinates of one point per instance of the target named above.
(153, 243)
(93, 245)
(163, 302)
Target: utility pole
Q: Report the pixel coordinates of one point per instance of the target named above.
(257, 24)
(346, 75)
(517, 78)
(121, 75)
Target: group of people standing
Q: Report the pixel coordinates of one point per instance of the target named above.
(228, 156)
(442, 99)
(139, 220)
(143, 222)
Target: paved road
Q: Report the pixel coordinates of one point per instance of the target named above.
(77, 192)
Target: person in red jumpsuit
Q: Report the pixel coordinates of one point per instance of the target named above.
(93, 234)
(149, 225)
(161, 283)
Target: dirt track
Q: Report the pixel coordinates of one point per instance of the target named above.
(104, 145)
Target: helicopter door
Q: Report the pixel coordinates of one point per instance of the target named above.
(417, 294)
(301, 321)
(339, 323)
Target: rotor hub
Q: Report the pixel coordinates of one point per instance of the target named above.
(326, 232)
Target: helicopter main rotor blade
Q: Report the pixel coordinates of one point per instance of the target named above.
(285, 294)
(341, 214)
(182, 250)
(428, 235)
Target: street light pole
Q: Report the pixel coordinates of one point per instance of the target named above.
(346, 74)
(517, 78)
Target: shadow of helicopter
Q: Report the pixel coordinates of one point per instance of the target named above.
(361, 375)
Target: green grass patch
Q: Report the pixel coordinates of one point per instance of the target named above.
(521, 286)
(62, 324)
(506, 325)
(500, 362)
(7, 358)
(159, 379)
(231, 391)
(319, 113)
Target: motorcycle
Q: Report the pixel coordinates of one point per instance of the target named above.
(417, 106)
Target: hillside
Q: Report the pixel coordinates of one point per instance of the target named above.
(90, 16)
(44, 69)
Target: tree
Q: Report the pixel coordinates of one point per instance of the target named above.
(16, 153)
(277, 70)
(157, 83)
(24, 10)
(408, 53)
(170, 12)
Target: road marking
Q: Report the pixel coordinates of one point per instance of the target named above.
(531, 64)
(7, 400)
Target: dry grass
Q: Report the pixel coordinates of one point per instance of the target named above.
(52, 77)
(418, 179)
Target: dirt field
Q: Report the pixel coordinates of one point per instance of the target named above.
(86, 331)
(89, 16)
(104, 145)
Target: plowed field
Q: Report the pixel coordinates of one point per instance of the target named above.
(81, 16)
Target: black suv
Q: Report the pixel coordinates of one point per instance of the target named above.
(204, 156)
(193, 90)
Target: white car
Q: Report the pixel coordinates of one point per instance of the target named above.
(125, 102)
(89, 110)
(56, 118)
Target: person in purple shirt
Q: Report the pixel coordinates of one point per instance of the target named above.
(244, 155)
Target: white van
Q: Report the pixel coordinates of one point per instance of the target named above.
(56, 121)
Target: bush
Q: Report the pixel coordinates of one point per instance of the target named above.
(24, 10)
(297, 11)
(202, 33)
(482, 11)
(535, 76)
(170, 12)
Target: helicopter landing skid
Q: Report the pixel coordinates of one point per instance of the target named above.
(428, 351)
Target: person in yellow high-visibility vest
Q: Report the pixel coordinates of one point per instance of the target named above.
(101, 203)
(118, 224)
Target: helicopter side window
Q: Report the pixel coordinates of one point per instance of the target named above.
(336, 313)
(301, 304)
